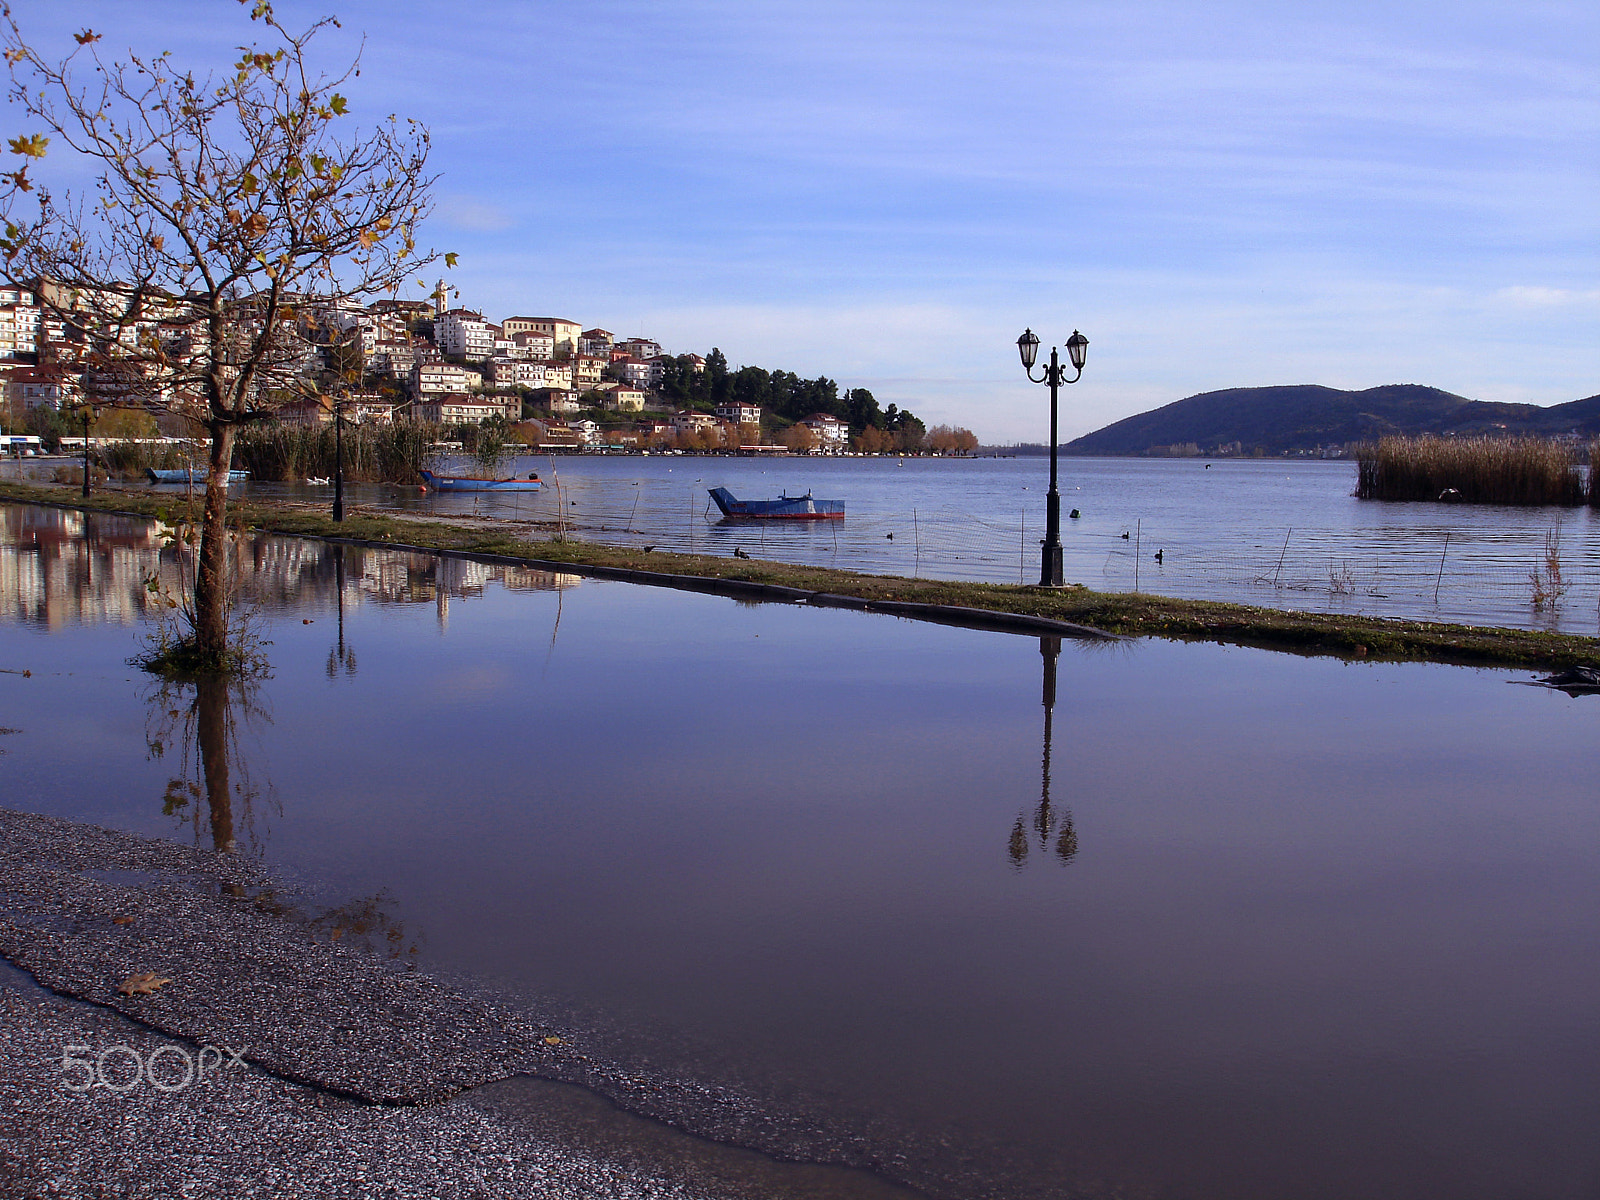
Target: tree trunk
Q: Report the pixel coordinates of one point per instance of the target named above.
(211, 573)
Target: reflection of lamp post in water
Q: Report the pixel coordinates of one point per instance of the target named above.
(340, 655)
(1046, 822)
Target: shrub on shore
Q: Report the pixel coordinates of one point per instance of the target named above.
(372, 453)
(1471, 471)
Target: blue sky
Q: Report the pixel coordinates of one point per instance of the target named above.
(1218, 195)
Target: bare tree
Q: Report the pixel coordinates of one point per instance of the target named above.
(223, 206)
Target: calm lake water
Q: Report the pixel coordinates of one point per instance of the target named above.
(1286, 534)
(1213, 923)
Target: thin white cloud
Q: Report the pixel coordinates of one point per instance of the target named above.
(478, 216)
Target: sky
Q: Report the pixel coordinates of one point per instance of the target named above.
(1220, 194)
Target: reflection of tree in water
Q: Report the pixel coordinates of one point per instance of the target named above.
(1051, 827)
(202, 720)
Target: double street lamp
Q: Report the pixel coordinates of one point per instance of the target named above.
(1055, 376)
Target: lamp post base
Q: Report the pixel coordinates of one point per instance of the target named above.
(1050, 567)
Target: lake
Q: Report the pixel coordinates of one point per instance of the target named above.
(1273, 532)
(1028, 918)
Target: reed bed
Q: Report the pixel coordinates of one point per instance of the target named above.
(372, 453)
(1526, 471)
(130, 460)
(1594, 474)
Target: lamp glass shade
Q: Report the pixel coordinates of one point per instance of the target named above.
(1028, 345)
(1077, 349)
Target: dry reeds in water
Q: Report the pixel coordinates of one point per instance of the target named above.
(130, 460)
(372, 453)
(1470, 470)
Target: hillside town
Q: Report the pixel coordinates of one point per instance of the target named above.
(546, 381)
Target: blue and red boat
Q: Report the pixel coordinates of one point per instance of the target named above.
(465, 483)
(785, 508)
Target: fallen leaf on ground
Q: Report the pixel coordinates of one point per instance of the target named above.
(552, 1041)
(142, 984)
(122, 920)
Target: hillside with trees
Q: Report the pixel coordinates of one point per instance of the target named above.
(782, 395)
(1301, 418)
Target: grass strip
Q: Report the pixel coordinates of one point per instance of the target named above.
(1127, 614)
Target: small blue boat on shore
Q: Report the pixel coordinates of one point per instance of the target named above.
(191, 475)
(785, 508)
(464, 483)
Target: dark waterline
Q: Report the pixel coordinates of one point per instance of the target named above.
(1275, 927)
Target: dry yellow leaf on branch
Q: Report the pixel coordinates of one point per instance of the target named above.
(142, 984)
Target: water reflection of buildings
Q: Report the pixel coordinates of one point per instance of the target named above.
(60, 567)
(1051, 826)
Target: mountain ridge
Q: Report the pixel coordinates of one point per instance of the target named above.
(1301, 418)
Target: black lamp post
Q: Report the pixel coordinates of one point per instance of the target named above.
(338, 459)
(88, 415)
(1055, 376)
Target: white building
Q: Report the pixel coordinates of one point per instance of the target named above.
(458, 409)
(833, 435)
(640, 347)
(693, 422)
(631, 370)
(464, 334)
(442, 378)
(740, 414)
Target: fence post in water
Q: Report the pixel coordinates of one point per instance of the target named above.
(1437, 578)
(1138, 539)
(916, 536)
(1281, 553)
(1022, 548)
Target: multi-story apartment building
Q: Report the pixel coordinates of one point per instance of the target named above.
(740, 414)
(630, 370)
(588, 370)
(622, 397)
(563, 333)
(442, 378)
(833, 434)
(529, 373)
(463, 334)
(454, 408)
(396, 356)
(596, 343)
(21, 321)
(49, 386)
(693, 422)
(534, 344)
(639, 347)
